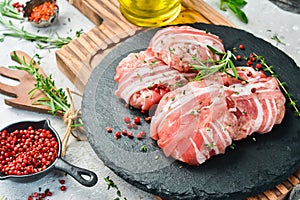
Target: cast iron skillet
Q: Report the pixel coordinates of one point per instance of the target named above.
(59, 164)
(250, 168)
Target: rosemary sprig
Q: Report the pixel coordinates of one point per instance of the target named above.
(226, 62)
(50, 41)
(6, 9)
(55, 98)
(268, 68)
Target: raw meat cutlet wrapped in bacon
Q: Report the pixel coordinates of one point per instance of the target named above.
(200, 119)
(192, 123)
(258, 104)
(132, 61)
(178, 46)
(145, 81)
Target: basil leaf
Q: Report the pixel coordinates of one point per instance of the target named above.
(238, 12)
(238, 3)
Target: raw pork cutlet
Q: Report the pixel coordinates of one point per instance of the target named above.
(132, 61)
(144, 83)
(178, 46)
(192, 123)
(201, 119)
(258, 105)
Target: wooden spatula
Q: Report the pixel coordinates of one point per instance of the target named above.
(19, 93)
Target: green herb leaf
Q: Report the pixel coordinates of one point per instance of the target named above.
(235, 6)
(210, 67)
(238, 12)
(50, 41)
(6, 9)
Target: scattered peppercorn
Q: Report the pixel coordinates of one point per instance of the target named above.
(124, 132)
(258, 66)
(141, 135)
(109, 129)
(129, 126)
(126, 119)
(118, 134)
(147, 119)
(137, 120)
(249, 63)
(63, 188)
(238, 57)
(130, 135)
(242, 47)
(134, 126)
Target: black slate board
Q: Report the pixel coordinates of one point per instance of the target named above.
(251, 168)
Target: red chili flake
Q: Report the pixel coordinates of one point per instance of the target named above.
(118, 134)
(63, 188)
(124, 132)
(126, 119)
(137, 120)
(242, 47)
(226, 84)
(258, 66)
(130, 135)
(30, 197)
(61, 181)
(109, 129)
(253, 90)
(238, 57)
(141, 135)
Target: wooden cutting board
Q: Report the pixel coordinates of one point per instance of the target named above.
(77, 59)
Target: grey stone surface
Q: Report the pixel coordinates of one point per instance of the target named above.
(289, 5)
(295, 193)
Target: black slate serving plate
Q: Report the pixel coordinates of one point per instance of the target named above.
(248, 169)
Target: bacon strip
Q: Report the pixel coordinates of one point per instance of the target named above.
(179, 46)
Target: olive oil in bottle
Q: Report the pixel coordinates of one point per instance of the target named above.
(150, 13)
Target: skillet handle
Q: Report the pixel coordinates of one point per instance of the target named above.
(76, 172)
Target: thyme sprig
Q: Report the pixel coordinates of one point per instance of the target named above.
(110, 184)
(6, 9)
(51, 41)
(205, 68)
(268, 68)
